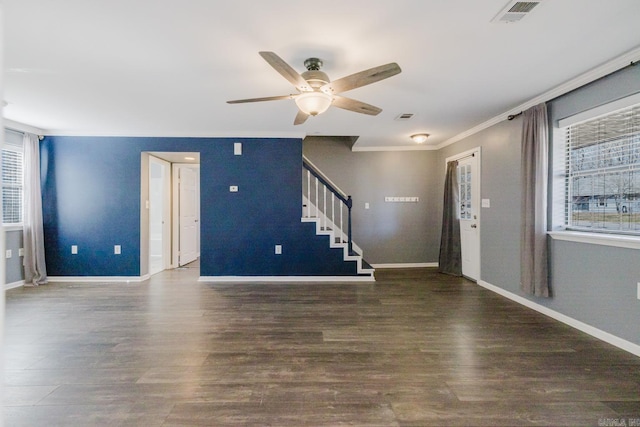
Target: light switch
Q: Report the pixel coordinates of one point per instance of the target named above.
(233, 188)
(117, 250)
(74, 249)
(237, 148)
(366, 205)
(278, 249)
(8, 253)
(485, 203)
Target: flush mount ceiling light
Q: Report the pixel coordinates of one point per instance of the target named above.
(420, 137)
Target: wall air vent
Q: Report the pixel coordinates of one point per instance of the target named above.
(515, 11)
(404, 116)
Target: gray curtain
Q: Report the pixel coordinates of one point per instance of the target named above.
(450, 260)
(35, 272)
(534, 271)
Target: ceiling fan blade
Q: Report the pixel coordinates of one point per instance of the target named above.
(301, 117)
(353, 105)
(286, 71)
(362, 78)
(268, 98)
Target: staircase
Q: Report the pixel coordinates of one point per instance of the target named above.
(330, 208)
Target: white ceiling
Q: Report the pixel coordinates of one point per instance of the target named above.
(166, 67)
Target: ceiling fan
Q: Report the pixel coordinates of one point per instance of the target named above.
(316, 93)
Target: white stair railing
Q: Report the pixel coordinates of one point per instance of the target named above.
(331, 212)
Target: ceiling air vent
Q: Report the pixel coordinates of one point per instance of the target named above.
(515, 11)
(404, 116)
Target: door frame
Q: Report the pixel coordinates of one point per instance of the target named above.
(477, 201)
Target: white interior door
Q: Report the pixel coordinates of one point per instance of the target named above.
(188, 214)
(469, 186)
(159, 215)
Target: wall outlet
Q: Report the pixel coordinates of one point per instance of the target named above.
(117, 250)
(74, 249)
(278, 249)
(21, 252)
(8, 253)
(638, 290)
(366, 205)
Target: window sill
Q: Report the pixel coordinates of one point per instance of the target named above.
(616, 240)
(12, 227)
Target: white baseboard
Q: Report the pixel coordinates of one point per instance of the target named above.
(406, 265)
(287, 279)
(13, 285)
(588, 329)
(95, 279)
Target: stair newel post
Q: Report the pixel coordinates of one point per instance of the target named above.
(349, 204)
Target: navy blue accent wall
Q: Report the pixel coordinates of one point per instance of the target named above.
(91, 198)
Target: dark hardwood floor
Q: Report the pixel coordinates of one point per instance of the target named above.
(416, 348)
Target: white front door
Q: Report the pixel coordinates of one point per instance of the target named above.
(469, 182)
(188, 214)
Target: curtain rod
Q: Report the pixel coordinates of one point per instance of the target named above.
(464, 157)
(40, 137)
(513, 116)
(631, 64)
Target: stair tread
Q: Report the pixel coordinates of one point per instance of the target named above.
(365, 269)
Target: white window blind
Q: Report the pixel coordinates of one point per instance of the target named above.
(603, 173)
(12, 180)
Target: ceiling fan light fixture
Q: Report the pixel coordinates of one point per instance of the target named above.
(313, 103)
(316, 93)
(419, 137)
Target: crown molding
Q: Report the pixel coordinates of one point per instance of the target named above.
(583, 79)
(398, 148)
(21, 127)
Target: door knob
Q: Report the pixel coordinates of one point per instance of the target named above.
(474, 226)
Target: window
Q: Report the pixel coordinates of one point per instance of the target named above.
(602, 173)
(464, 181)
(12, 180)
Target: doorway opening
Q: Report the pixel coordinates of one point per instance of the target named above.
(170, 211)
